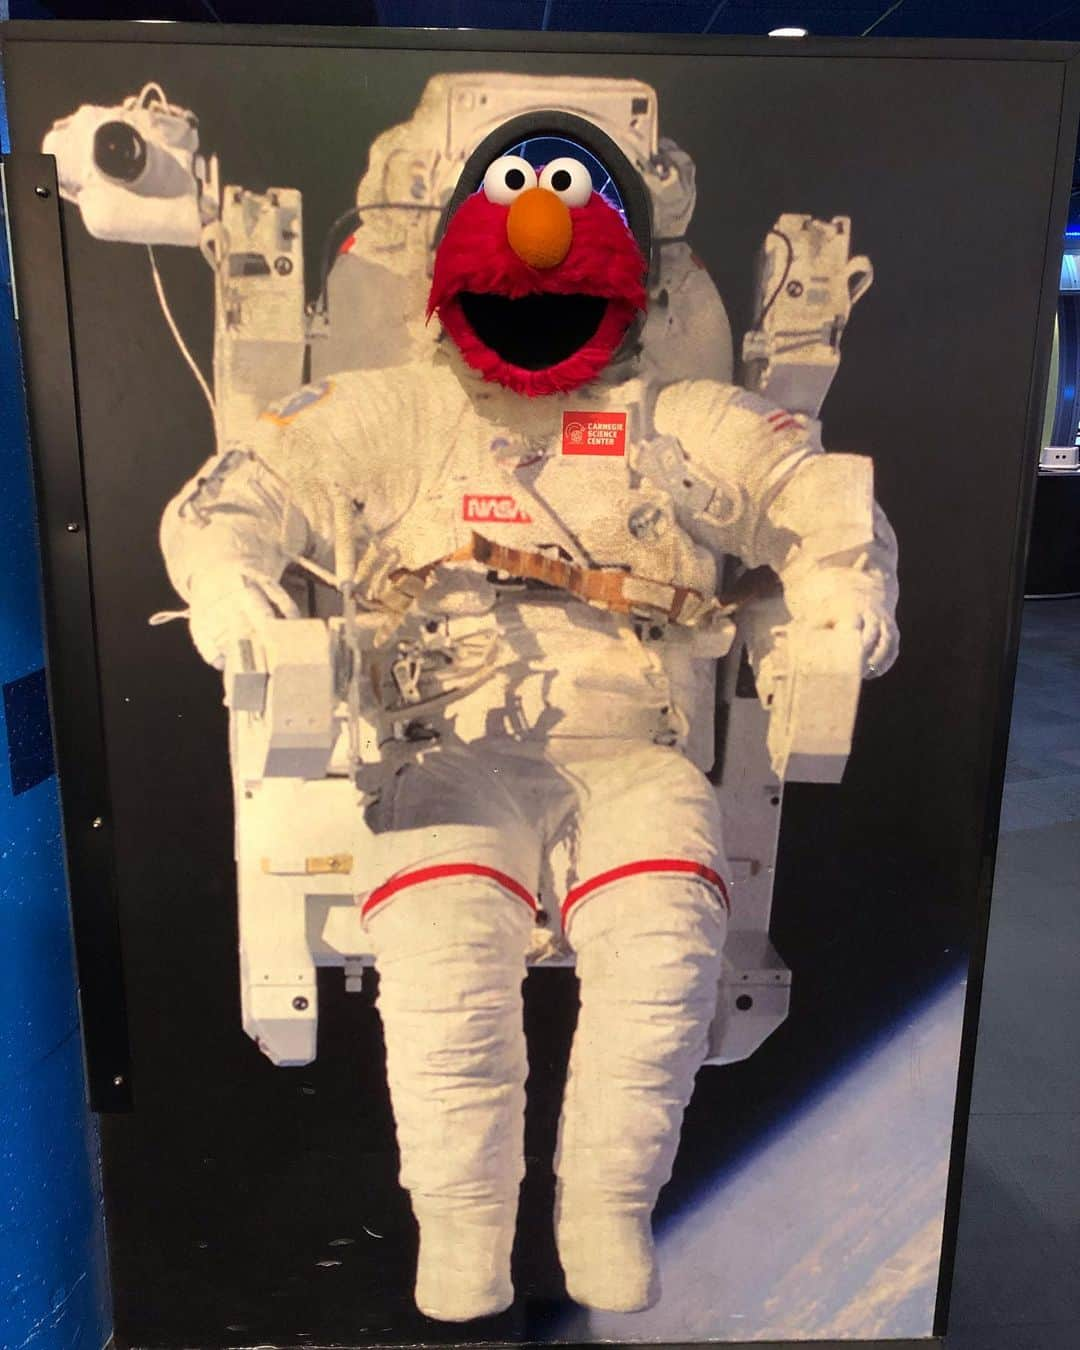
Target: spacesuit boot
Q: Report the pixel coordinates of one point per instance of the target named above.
(451, 959)
(648, 958)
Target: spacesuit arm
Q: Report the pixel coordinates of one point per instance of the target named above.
(337, 456)
(835, 552)
(777, 499)
(236, 512)
(227, 537)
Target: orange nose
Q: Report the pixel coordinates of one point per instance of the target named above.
(538, 228)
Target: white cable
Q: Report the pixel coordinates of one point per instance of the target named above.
(320, 573)
(151, 87)
(177, 338)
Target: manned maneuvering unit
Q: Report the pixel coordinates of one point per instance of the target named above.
(515, 592)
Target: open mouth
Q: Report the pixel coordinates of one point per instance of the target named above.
(537, 331)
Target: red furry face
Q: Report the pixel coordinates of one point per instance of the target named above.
(537, 330)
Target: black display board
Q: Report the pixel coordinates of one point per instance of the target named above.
(227, 1180)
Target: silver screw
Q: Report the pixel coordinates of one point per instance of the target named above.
(42, 191)
(96, 823)
(73, 527)
(118, 1081)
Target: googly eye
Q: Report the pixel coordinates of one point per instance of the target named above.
(508, 177)
(568, 179)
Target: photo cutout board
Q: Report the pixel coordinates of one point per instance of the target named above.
(532, 532)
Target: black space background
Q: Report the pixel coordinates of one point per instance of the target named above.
(230, 1179)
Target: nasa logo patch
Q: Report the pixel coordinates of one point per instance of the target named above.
(494, 507)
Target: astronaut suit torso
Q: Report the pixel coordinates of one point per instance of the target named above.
(563, 555)
(430, 456)
(586, 708)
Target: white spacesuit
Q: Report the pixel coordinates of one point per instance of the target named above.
(576, 734)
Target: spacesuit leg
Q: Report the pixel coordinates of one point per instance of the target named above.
(648, 931)
(450, 922)
(451, 960)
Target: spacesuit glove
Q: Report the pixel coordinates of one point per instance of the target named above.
(227, 605)
(847, 597)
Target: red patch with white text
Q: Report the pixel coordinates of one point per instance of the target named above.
(594, 433)
(502, 509)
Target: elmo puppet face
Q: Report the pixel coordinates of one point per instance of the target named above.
(537, 278)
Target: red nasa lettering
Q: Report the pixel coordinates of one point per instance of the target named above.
(494, 507)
